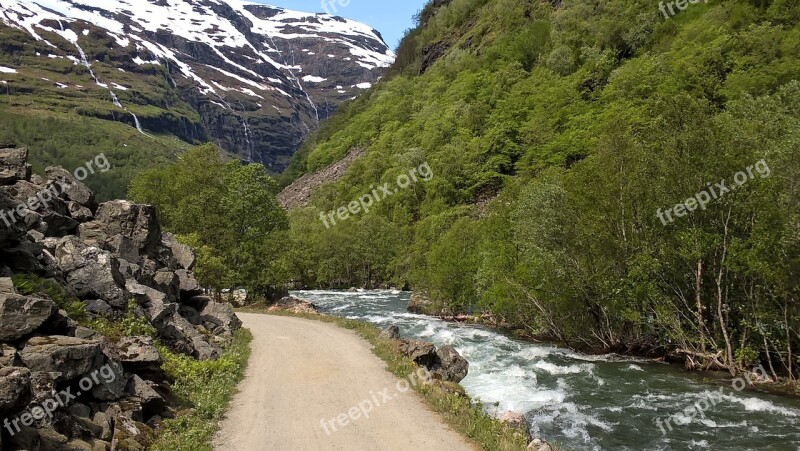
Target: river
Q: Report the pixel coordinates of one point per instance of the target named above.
(584, 402)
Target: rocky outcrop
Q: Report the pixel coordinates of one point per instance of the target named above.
(116, 262)
(294, 305)
(15, 389)
(444, 364)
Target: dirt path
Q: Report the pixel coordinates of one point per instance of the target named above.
(307, 378)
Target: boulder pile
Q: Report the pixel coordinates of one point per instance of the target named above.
(115, 259)
(444, 364)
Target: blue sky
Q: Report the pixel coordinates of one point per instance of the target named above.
(391, 18)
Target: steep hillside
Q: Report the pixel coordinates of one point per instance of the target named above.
(606, 173)
(252, 78)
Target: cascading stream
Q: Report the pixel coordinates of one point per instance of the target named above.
(88, 65)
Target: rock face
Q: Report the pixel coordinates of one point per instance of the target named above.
(118, 264)
(253, 78)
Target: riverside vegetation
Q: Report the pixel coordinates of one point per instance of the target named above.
(557, 131)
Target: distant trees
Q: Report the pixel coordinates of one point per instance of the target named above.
(227, 211)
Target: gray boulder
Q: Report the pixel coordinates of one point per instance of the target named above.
(168, 283)
(221, 315)
(156, 304)
(516, 421)
(15, 389)
(74, 190)
(421, 352)
(99, 307)
(111, 387)
(449, 365)
(144, 392)
(181, 255)
(539, 445)
(183, 337)
(58, 225)
(14, 166)
(392, 333)
(72, 357)
(11, 229)
(22, 315)
(189, 287)
(7, 285)
(137, 222)
(91, 272)
(138, 353)
(78, 212)
(8, 355)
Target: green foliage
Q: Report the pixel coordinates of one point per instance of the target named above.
(132, 324)
(227, 211)
(205, 389)
(556, 131)
(32, 285)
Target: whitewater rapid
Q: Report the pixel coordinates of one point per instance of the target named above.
(585, 402)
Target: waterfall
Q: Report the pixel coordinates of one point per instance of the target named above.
(247, 137)
(114, 98)
(138, 125)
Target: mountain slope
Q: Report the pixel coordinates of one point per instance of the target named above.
(253, 78)
(571, 144)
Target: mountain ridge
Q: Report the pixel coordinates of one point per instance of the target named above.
(253, 78)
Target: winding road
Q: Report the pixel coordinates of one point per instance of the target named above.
(313, 386)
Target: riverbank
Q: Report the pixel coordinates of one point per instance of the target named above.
(447, 399)
(421, 304)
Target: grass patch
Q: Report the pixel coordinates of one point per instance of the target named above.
(32, 285)
(205, 389)
(448, 399)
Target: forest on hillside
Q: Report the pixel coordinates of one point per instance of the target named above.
(604, 175)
